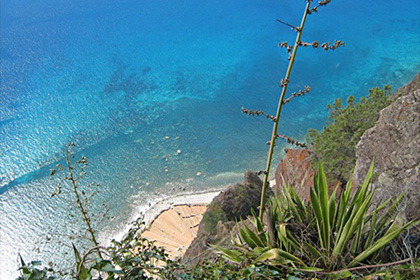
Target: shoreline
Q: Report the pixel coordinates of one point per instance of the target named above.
(183, 199)
(152, 213)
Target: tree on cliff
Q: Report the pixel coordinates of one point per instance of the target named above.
(335, 145)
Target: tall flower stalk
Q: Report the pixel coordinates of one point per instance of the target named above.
(283, 84)
(292, 50)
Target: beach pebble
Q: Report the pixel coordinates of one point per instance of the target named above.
(167, 137)
(198, 174)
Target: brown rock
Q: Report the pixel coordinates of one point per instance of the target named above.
(295, 170)
(408, 88)
(394, 144)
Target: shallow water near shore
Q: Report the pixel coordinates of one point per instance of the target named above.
(116, 78)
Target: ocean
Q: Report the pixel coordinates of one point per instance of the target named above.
(133, 83)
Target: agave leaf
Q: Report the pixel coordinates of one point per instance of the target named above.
(279, 255)
(315, 253)
(231, 255)
(381, 242)
(317, 211)
(255, 238)
(291, 204)
(310, 269)
(340, 275)
(83, 272)
(385, 218)
(258, 223)
(383, 205)
(300, 205)
(351, 226)
(25, 271)
(372, 230)
(246, 239)
(344, 201)
(323, 203)
(22, 262)
(293, 241)
(332, 208)
(365, 186)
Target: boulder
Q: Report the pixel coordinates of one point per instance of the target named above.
(295, 170)
(394, 146)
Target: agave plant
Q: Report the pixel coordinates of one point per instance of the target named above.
(326, 234)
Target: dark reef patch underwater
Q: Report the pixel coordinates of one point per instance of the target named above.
(117, 77)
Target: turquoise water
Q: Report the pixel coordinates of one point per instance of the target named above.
(116, 77)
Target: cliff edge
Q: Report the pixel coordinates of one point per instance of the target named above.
(394, 145)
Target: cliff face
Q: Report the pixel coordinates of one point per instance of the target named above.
(394, 144)
(295, 170)
(231, 205)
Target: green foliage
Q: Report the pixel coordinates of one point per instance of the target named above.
(212, 216)
(335, 145)
(323, 236)
(34, 271)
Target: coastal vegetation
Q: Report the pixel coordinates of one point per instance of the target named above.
(335, 146)
(327, 237)
(331, 236)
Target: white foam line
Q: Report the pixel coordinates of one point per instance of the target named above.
(151, 213)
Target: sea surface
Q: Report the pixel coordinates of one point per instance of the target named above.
(117, 77)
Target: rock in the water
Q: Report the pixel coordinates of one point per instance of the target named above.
(394, 144)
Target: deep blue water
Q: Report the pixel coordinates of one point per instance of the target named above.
(116, 77)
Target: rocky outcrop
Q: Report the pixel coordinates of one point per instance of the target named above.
(231, 205)
(295, 170)
(394, 145)
(408, 88)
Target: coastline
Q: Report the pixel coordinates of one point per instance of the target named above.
(181, 199)
(152, 212)
(189, 198)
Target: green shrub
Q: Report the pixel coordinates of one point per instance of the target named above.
(335, 145)
(323, 236)
(212, 216)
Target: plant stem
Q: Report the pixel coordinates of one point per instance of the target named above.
(80, 205)
(361, 267)
(279, 107)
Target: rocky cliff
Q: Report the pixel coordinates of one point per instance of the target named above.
(394, 145)
(295, 170)
(231, 205)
